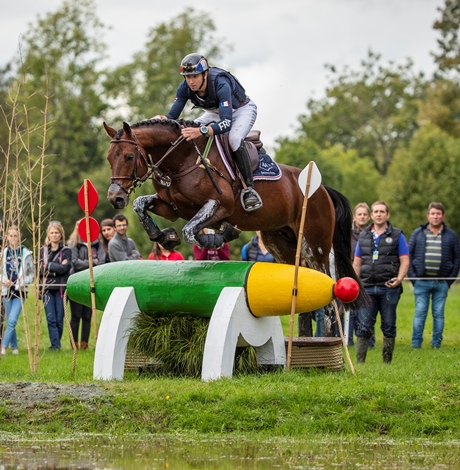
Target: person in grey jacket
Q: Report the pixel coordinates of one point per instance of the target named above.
(121, 247)
(434, 252)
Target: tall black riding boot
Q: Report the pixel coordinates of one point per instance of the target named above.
(250, 200)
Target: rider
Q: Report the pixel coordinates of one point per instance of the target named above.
(228, 109)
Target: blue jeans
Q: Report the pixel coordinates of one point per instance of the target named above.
(13, 307)
(54, 308)
(318, 316)
(384, 300)
(423, 291)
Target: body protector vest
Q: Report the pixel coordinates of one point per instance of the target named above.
(210, 102)
(376, 272)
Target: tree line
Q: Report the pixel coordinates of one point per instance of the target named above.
(382, 132)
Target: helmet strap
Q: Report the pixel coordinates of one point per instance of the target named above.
(202, 82)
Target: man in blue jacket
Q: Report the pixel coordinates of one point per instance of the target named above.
(434, 253)
(227, 109)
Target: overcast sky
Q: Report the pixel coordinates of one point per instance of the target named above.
(280, 46)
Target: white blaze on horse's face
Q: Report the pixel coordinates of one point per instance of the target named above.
(122, 162)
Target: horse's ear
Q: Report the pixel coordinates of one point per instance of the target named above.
(127, 128)
(111, 132)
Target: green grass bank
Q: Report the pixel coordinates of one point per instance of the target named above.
(417, 396)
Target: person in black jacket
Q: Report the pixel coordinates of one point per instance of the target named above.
(56, 262)
(381, 261)
(434, 253)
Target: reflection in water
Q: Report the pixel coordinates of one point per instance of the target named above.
(138, 453)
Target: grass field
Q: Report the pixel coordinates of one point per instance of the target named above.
(417, 396)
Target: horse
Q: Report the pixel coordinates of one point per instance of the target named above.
(199, 188)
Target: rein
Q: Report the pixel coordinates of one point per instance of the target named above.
(154, 168)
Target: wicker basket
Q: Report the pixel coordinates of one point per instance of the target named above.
(135, 360)
(324, 353)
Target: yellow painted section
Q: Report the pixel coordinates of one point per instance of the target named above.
(269, 289)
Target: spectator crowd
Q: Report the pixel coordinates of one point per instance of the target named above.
(382, 258)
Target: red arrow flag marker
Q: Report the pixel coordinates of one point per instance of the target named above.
(93, 198)
(93, 229)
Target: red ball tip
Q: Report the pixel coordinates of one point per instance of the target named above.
(346, 289)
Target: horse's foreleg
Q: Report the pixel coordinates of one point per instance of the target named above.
(152, 203)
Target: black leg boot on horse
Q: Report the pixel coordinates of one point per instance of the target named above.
(250, 200)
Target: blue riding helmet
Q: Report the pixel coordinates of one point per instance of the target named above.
(193, 64)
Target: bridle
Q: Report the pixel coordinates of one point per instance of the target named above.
(153, 168)
(140, 158)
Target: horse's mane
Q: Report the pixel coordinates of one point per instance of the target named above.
(169, 122)
(178, 123)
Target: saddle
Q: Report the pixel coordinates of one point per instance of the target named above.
(253, 144)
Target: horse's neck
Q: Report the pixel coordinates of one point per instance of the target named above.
(157, 136)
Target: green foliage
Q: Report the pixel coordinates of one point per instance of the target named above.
(448, 57)
(427, 171)
(300, 151)
(340, 169)
(441, 106)
(358, 177)
(58, 66)
(372, 110)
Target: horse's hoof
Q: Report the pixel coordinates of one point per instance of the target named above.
(210, 240)
(171, 239)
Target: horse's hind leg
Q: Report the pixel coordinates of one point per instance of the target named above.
(281, 244)
(209, 216)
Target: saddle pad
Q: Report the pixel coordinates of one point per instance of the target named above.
(267, 169)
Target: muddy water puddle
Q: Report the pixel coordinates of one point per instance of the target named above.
(133, 452)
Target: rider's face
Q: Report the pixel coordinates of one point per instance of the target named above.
(196, 82)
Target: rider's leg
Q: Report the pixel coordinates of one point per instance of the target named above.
(243, 119)
(251, 200)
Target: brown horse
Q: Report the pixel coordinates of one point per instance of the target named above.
(184, 189)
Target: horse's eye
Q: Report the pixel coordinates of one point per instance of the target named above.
(129, 157)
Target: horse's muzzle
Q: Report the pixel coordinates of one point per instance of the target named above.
(117, 196)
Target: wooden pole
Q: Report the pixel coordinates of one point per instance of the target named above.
(90, 261)
(344, 343)
(297, 263)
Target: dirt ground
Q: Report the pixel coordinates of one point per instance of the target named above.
(23, 395)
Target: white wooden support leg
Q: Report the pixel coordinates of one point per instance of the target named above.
(110, 355)
(233, 325)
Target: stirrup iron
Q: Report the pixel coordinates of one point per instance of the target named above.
(256, 205)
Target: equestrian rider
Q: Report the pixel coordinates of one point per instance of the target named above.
(227, 109)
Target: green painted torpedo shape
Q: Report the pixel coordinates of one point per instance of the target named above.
(162, 287)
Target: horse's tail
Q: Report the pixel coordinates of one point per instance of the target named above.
(341, 243)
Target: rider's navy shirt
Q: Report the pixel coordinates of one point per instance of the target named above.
(223, 93)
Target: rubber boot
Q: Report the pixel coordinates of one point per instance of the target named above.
(83, 345)
(362, 344)
(388, 347)
(249, 197)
